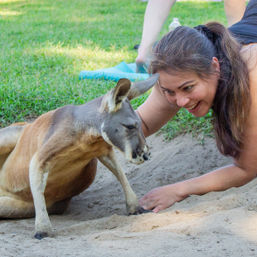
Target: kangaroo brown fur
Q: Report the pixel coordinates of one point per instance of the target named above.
(45, 163)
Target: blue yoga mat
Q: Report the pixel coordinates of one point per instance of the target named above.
(122, 70)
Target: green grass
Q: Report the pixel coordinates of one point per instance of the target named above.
(184, 122)
(45, 44)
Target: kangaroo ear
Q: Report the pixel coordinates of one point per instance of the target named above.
(140, 87)
(113, 100)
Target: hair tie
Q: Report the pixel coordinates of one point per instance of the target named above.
(207, 32)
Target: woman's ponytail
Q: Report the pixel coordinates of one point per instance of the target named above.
(232, 100)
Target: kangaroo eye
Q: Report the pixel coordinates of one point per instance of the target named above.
(130, 126)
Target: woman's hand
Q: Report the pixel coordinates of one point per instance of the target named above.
(161, 198)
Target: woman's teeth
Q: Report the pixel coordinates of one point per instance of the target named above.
(192, 107)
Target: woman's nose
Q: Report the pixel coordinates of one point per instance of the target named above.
(182, 101)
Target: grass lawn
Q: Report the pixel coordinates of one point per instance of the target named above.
(45, 44)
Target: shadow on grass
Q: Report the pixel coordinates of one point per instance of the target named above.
(45, 46)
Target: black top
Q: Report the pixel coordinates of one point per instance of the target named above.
(245, 30)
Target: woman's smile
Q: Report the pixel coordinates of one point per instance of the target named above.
(187, 90)
(193, 108)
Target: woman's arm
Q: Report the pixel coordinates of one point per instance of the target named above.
(218, 180)
(155, 111)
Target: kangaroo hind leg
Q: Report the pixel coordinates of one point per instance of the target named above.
(9, 137)
(12, 208)
(59, 207)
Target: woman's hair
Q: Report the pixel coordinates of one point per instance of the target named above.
(191, 50)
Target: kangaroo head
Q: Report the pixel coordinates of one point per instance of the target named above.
(121, 125)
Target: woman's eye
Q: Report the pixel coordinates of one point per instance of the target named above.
(188, 88)
(167, 92)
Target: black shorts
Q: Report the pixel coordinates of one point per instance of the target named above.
(245, 31)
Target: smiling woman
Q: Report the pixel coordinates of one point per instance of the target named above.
(205, 68)
(189, 91)
(216, 74)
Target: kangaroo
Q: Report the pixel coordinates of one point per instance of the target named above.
(45, 163)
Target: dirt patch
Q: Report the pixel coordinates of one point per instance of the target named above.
(216, 224)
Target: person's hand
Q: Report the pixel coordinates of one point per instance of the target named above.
(161, 198)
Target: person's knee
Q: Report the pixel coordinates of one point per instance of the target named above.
(234, 10)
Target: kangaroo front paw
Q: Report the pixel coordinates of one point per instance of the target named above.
(43, 230)
(139, 210)
(41, 235)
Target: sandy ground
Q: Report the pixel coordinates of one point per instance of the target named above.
(217, 224)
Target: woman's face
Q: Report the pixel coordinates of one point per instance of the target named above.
(188, 91)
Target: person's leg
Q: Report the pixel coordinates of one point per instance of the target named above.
(245, 30)
(156, 13)
(234, 10)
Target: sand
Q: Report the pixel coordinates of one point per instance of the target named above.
(217, 224)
